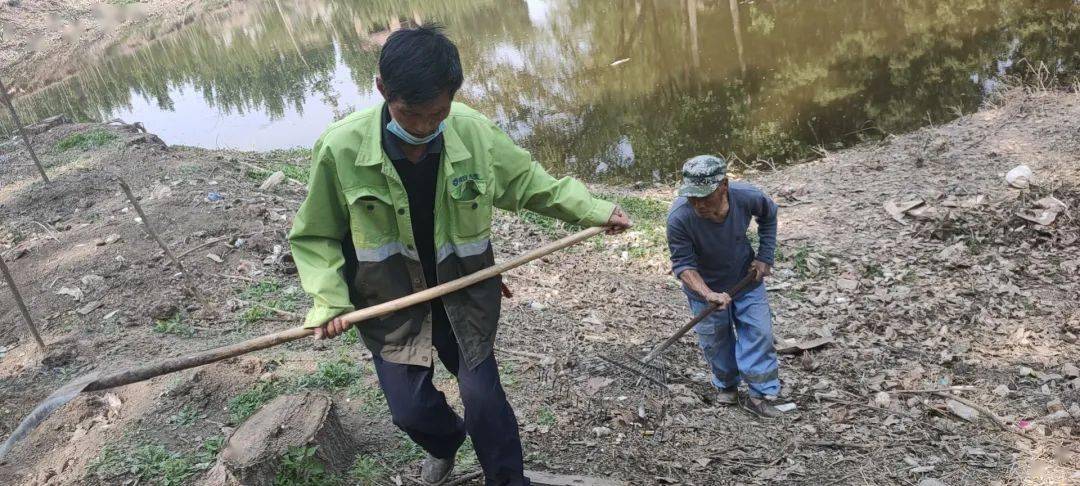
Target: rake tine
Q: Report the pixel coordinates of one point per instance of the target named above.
(633, 370)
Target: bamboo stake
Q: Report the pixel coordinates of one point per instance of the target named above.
(153, 234)
(95, 381)
(22, 132)
(22, 305)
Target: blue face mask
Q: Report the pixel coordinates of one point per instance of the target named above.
(408, 138)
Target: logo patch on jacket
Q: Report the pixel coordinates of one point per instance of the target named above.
(459, 180)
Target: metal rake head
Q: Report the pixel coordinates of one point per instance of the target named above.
(626, 362)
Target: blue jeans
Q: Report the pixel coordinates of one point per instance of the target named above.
(737, 342)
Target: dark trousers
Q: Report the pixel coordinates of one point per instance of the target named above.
(420, 410)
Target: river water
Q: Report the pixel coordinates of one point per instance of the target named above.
(615, 90)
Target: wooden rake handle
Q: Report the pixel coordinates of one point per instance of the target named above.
(733, 291)
(179, 363)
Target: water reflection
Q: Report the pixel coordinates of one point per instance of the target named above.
(619, 89)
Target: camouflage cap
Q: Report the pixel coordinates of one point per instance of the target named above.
(702, 175)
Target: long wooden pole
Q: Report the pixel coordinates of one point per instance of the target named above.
(217, 354)
(22, 306)
(153, 234)
(22, 132)
(95, 382)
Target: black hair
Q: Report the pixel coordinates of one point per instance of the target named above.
(417, 65)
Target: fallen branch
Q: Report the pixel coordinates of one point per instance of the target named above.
(280, 312)
(978, 407)
(203, 245)
(237, 277)
(935, 390)
(982, 409)
(153, 234)
(466, 478)
(219, 240)
(29, 321)
(837, 445)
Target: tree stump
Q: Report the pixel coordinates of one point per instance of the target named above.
(252, 453)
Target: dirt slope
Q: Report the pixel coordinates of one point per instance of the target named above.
(963, 293)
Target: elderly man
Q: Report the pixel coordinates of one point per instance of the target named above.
(400, 199)
(707, 235)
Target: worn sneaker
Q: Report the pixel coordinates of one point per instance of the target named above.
(761, 407)
(435, 471)
(728, 396)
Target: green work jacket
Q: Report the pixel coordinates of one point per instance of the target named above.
(355, 190)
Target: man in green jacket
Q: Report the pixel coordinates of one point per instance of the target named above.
(400, 199)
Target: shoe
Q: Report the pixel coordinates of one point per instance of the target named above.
(761, 407)
(435, 471)
(728, 396)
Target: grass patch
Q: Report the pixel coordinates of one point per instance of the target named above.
(808, 263)
(368, 469)
(645, 210)
(109, 463)
(507, 373)
(466, 455)
(351, 337)
(157, 464)
(86, 140)
(332, 375)
(153, 463)
(544, 224)
(372, 400)
(378, 467)
(345, 373)
(186, 416)
(545, 417)
(650, 224)
(174, 325)
(271, 293)
(294, 163)
(245, 404)
(649, 217)
(407, 452)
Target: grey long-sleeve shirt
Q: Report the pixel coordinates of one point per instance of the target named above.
(721, 252)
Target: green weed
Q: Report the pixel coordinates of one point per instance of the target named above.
(207, 453)
(507, 374)
(86, 140)
(367, 470)
(109, 463)
(407, 452)
(186, 417)
(270, 293)
(545, 224)
(300, 467)
(174, 325)
(351, 337)
(545, 417)
(294, 163)
(155, 463)
(650, 222)
(466, 455)
(332, 375)
(245, 404)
